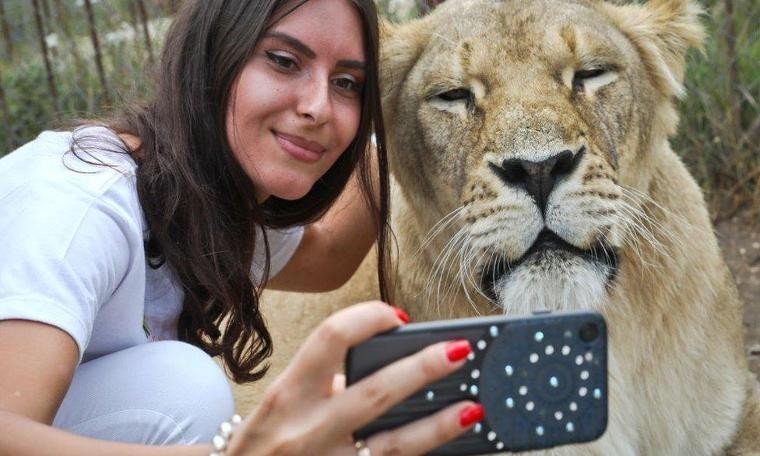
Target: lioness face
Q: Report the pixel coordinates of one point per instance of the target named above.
(518, 123)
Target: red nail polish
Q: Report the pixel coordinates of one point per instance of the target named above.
(471, 414)
(457, 350)
(403, 316)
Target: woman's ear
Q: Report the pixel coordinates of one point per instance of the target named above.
(400, 47)
(662, 31)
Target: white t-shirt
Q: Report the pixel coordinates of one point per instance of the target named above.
(72, 252)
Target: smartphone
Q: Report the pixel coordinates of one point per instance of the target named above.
(542, 379)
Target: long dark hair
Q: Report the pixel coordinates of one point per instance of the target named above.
(199, 203)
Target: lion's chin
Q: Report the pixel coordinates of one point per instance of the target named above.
(552, 275)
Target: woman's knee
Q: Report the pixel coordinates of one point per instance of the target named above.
(156, 393)
(198, 392)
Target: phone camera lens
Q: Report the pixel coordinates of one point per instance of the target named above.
(589, 332)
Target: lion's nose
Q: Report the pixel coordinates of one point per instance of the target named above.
(538, 178)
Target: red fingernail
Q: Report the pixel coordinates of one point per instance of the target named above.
(471, 414)
(457, 350)
(403, 316)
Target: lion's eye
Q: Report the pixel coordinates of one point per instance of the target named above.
(589, 80)
(588, 74)
(459, 101)
(456, 95)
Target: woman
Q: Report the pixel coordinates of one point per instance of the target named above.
(162, 224)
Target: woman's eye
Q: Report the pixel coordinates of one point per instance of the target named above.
(286, 63)
(347, 84)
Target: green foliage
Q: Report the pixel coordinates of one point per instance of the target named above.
(26, 108)
(722, 152)
(29, 106)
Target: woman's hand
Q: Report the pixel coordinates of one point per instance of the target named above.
(303, 412)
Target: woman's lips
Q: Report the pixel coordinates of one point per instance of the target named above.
(300, 148)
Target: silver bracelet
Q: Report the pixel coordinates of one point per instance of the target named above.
(222, 438)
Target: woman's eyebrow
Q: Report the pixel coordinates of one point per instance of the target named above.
(292, 41)
(354, 64)
(308, 52)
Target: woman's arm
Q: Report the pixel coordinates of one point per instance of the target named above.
(38, 364)
(301, 413)
(306, 411)
(332, 248)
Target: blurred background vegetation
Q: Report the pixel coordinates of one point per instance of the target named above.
(68, 59)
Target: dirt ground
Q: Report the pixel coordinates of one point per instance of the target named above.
(740, 241)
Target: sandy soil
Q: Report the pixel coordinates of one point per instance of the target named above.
(740, 240)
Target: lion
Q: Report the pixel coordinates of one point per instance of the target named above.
(532, 170)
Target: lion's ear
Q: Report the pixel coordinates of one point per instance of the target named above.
(400, 47)
(662, 31)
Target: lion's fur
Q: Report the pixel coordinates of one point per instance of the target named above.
(679, 382)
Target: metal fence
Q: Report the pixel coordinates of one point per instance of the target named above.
(62, 59)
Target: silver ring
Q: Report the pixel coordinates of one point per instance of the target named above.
(362, 449)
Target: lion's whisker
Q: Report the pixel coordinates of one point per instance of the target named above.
(637, 232)
(441, 225)
(440, 264)
(648, 221)
(680, 220)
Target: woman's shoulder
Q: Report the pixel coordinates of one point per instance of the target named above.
(89, 160)
(62, 174)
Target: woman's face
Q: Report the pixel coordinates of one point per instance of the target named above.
(296, 105)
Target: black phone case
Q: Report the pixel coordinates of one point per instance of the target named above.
(542, 379)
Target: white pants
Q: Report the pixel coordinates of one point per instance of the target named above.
(157, 393)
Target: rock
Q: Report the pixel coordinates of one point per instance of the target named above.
(754, 350)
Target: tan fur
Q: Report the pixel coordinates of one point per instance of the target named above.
(679, 383)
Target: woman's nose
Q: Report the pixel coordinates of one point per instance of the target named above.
(314, 101)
